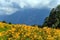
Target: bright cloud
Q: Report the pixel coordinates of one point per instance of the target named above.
(7, 10)
(37, 3)
(7, 7)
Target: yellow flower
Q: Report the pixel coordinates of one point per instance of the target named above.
(27, 34)
(2, 26)
(16, 35)
(12, 32)
(9, 38)
(44, 28)
(35, 36)
(50, 38)
(39, 37)
(13, 29)
(0, 33)
(49, 35)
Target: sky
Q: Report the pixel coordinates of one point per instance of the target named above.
(16, 8)
(8, 7)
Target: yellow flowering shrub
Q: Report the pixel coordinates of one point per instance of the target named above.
(26, 32)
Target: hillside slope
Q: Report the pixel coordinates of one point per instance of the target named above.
(26, 32)
(53, 20)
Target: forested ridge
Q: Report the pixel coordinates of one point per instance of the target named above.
(53, 20)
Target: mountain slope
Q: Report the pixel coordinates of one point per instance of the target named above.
(28, 16)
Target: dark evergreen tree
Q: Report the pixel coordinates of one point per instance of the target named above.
(10, 23)
(4, 21)
(54, 18)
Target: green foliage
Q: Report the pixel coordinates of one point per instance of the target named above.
(4, 21)
(54, 18)
(10, 23)
(39, 26)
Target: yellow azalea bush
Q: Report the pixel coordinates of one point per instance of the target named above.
(26, 32)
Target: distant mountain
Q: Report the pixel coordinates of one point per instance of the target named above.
(28, 16)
